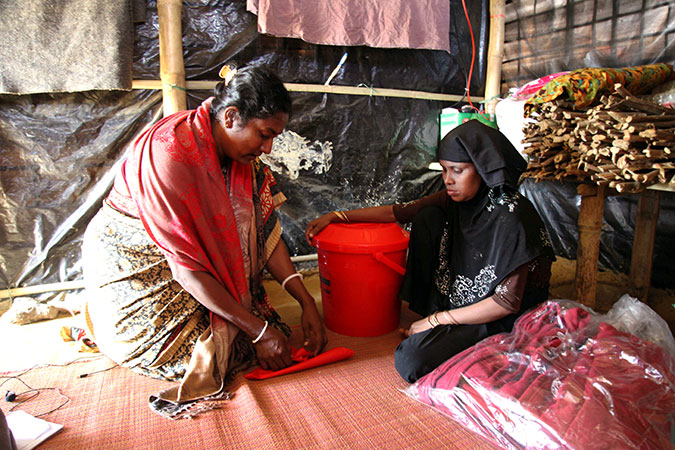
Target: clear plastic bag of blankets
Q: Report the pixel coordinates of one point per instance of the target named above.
(564, 377)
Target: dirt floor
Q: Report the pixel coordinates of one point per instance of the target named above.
(25, 346)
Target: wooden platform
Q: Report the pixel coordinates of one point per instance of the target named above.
(590, 228)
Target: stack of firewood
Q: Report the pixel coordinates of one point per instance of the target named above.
(624, 142)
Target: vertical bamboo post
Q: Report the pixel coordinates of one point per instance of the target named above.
(495, 56)
(643, 244)
(171, 66)
(589, 225)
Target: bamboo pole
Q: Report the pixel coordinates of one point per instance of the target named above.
(79, 284)
(495, 55)
(40, 289)
(205, 85)
(171, 65)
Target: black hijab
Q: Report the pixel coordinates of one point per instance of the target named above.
(495, 232)
(496, 159)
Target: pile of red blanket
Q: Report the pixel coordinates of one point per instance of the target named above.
(560, 379)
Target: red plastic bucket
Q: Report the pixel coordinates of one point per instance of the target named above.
(361, 267)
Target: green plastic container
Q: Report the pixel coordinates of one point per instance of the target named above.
(451, 117)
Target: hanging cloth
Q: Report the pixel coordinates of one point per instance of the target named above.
(423, 24)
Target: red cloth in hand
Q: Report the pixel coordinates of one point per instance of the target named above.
(301, 358)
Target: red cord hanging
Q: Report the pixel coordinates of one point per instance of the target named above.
(473, 57)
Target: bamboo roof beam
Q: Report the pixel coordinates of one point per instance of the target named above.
(206, 85)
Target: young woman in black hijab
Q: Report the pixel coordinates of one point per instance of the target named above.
(478, 255)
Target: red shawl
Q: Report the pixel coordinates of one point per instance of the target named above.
(173, 182)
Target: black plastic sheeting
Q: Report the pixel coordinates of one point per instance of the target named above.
(55, 168)
(223, 31)
(59, 152)
(558, 205)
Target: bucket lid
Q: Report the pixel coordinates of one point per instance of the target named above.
(362, 238)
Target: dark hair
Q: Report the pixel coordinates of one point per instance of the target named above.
(255, 91)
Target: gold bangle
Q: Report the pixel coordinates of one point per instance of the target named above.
(433, 319)
(450, 317)
(342, 216)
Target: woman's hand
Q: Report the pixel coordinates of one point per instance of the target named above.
(273, 350)
(379, 214)
(281, 267)
(418, 327)
(313, 330)
(318, 224)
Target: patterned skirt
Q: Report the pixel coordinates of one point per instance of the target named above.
(138, 315)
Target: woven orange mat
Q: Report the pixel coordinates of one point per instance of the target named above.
(356, 404)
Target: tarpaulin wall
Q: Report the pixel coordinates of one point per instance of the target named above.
(58, 151)
(543, 37)
(558, 205)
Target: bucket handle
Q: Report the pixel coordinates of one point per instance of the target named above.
(389, 263)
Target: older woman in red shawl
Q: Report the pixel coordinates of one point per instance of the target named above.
(173, 261)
